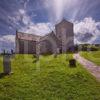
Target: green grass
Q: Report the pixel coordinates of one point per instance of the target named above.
(50, 79)
(93, 56)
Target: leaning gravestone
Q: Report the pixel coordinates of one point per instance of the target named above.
(7, 64)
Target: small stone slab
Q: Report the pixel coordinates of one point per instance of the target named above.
(72, 63)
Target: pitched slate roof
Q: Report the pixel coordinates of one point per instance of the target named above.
(26, 36)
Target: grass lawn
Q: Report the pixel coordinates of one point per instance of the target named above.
(93, 56)
(50, 79)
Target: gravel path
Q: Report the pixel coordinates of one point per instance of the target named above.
(90, 66)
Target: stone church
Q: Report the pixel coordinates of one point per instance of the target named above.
(60, 40)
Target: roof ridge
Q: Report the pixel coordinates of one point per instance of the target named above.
(63, 20)
(29, 34)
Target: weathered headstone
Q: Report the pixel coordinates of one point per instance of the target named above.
(56, 53)
(72, 63)
(6, 64)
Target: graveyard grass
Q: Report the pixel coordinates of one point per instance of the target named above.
(53, 80)
(93, 56)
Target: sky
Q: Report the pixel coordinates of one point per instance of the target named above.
(40, 16)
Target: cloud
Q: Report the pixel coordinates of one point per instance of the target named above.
(25, 18)
(7, 42)
(14, 14)
(87, 30)
(34, 28)
(38, 29)
(20, 19)
(8, 38)
(25, 3)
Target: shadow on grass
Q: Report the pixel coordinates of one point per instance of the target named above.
(35, 61)
(2, 75)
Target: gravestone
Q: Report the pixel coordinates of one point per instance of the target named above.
(56, 53)
(6, 64)
(72, 63)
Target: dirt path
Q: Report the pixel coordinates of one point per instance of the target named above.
(90, 66)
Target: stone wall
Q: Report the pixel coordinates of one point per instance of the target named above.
(49, 43)
(25, 47)
(46, 47)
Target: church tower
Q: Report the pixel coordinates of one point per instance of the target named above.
(65, 34)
